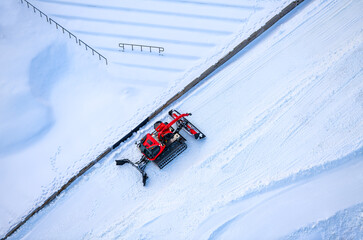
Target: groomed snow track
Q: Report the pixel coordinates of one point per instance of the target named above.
(286, 162)
(187, 89)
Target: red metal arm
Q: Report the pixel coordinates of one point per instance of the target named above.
(174, 121)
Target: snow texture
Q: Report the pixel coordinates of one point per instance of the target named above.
(283, 119)
(61, 107)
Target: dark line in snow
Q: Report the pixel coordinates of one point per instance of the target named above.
(150, 67)
(150, 25)
(113, 35)
(211, 4)
(124, 9)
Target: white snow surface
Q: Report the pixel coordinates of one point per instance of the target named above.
(61, 107)
(283, 119)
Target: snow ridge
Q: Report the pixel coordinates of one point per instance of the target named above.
(347, 223)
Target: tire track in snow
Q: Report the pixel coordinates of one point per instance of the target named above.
(257, 126)
(274, 112)
(260, 62)
(333, 93)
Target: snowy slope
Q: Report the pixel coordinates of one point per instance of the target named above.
(194, 34)
(282, 157)
(60, 106)
(189, 31)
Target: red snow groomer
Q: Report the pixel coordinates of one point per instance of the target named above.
(164, 144)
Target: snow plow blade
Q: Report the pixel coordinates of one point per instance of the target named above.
(139, 167)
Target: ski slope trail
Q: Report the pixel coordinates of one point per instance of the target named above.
(61, 107)
(283, 148)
